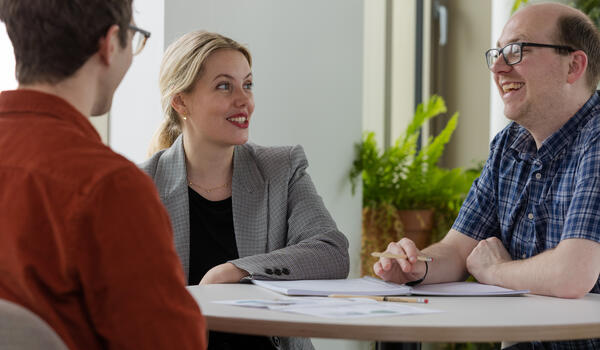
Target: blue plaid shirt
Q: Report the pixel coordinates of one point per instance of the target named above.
(532, 199)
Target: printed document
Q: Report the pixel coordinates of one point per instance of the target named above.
(331, 307)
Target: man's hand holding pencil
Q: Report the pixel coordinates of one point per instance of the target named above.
(402, 262)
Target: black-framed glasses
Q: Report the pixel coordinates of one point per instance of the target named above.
(513, 52)
(139, 39)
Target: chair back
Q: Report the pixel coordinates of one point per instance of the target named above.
(22, 329)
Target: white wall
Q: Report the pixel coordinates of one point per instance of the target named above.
(7, 61)
(374, 75)
(136, 111)
(500, 14)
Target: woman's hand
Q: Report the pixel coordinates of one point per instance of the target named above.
(224, 273)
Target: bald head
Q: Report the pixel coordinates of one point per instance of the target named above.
(539, 20)
(550, 9)
(560, 24)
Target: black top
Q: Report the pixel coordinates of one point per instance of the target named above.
(212, 238)
(212, 242)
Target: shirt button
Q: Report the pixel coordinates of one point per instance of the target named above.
(530, 216)
(278, 272)
(268, 271)
(285, 271)
(524, 256)
(538, 176)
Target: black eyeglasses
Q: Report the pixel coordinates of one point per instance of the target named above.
(139, 39)
(513, 52)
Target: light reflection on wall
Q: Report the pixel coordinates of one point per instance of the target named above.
(7, 62)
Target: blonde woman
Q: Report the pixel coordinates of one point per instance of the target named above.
(238, 210)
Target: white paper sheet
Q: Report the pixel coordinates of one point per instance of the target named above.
(332, 307)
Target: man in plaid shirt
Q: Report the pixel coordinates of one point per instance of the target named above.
(532, 219)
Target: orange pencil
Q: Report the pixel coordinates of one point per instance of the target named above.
(383, 298)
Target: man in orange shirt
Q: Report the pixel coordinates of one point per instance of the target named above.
(86, 243)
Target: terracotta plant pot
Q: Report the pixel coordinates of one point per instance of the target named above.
(382, 226)
(417, 225)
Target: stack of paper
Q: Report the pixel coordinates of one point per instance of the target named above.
(374, 286)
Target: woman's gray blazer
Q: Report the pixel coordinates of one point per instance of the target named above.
(282, 228)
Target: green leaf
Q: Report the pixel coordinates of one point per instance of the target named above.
(517, 4)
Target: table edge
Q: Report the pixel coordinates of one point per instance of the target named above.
(405, 333)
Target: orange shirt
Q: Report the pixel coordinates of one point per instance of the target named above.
(85, 242)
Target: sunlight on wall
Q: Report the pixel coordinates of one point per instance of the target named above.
(7, 62)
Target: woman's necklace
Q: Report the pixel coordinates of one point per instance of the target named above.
(209, 190)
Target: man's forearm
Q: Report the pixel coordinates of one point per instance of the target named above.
(449, 258)
(568, 271)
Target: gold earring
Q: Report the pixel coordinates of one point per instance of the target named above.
(184, 117)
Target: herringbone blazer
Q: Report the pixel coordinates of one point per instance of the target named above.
(282, 228)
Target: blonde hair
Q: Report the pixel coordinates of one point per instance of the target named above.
(181, 66)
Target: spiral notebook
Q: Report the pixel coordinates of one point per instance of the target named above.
(374, 286)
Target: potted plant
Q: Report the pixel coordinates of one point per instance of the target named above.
(404, 190)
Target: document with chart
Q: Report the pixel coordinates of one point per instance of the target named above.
(332, 307)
